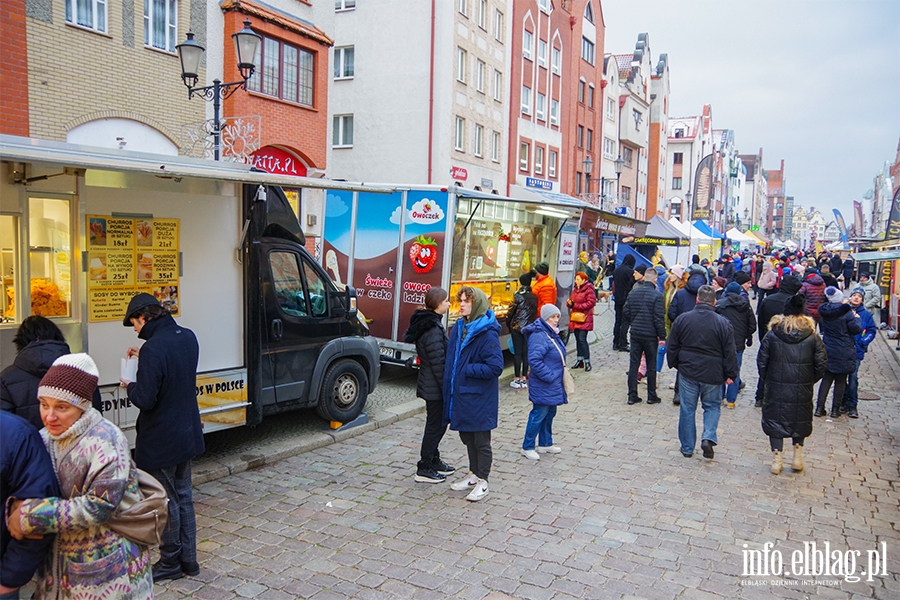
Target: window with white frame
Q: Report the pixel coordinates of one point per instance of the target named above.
(611, 109)
(545, 6)
(628, 156)
(482, 14)
(479, 75)
(551, 166)
(461, 58)
(523, 156)
(638, 118)
(87, 13)
(462, 6)
(527, 44)
(160, 24)
(495, 146)
(541, 106)
(589, 12)
(344, 5)
(542, 53)
(554, 111)
(342, 136)
(479, 140)
(284, 71)
(538, 160)
(609, 148)
(498, 85)
(526, 100)
(676, 183)
(590, 97)
(587, 50)
(498, 26)
(343, 62)
(459, 140)
(556, 61)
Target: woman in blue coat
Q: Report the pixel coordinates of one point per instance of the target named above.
(547, 356)
(471, 386)
(838, 324)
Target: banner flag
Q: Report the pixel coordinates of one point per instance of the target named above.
(893, 225)
(858, 221)
(842, 227)
(703, 189)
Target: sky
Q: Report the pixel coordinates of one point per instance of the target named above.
(813, 82)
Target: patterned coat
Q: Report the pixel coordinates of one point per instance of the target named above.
(96, 476)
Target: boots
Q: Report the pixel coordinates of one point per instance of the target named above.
(820, 409)
(835, 411)
(797, 462)
(579, 364)
(777, 463)
(587, 365)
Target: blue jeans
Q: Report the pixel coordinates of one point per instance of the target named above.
(710, 396)
(660, 358)
(179, 538)
(539, 427)
(851, 392)
(731, 390)
(10, 595)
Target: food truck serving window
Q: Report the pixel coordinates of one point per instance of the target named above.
(50, 257)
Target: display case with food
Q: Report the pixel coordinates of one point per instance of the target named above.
(499, 292)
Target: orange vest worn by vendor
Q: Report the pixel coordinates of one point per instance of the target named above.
(545, 290)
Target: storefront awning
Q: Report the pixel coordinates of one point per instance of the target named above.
(876, 256)
(591, 216)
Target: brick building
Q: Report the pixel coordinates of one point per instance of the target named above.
(775, 197)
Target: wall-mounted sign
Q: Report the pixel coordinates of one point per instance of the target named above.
(278, 162)
(487, 183)
(541, 184)
(567, 247)
(459, 173)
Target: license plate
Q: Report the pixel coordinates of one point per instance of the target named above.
(385, 351)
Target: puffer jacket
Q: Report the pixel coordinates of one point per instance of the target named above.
(547, 359)
(426, 331)
(701, 346)
(847, 270)
(767, 278)
(583, 300)
(839, 324)
(523, 310)
(685, 298)
(790, 362)
(471, 373)
(727, 271)
(868, 333)
(19, 381)
(544, 288)
(872, 298)
(737, 310)
(814, 290)
(643, 313)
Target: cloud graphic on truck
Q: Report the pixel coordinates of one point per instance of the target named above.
(335, 206)
(425, 212)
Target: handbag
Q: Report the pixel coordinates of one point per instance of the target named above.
(145, 520)
(567, 379)
(577, 317)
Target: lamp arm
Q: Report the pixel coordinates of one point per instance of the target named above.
(224, 90)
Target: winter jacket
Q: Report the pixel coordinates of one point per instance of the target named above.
(471, 374)
(727, 271)
(583, 300)
(25, 472)
(872, 298)
(623, 280)
(737, 310)
(835, 265)
(789, 365)
(426, 331)
(701, 346)
(670, 288)
(96, 477)
(829, 279)
(643, 313)
(523, 310)
(767, 278)
(168, 426)
(685, 298)
(814, 290)
(848, 270)
(868, 333)
(544, 288)
(19, 381)
(774, 304)
(839, 324)
(547, 359)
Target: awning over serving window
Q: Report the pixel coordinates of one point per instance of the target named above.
(876, 256)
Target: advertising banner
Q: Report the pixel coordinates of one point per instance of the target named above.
(128, 256)
(842, 227)
(858, 221)
(567, 249)
(217, 390)
(703, 189)
(893, 224)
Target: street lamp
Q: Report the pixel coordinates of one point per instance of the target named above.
(619, 164)
(588, 166)
(685, 213)
(246, 44)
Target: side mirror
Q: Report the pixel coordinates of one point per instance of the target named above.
(342, 303)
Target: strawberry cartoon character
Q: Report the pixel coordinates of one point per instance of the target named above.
(423, 254)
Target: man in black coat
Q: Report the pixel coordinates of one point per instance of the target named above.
(643, 313)
(701, 347)
(169, 433)
(623, 281)
(735, 307)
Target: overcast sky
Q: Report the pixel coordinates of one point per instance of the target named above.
(815, 82)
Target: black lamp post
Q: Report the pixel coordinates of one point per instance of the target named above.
(246, 44)
(619, 164)
(588, 166)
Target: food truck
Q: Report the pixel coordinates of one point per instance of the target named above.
(394, 247)
(84, 229)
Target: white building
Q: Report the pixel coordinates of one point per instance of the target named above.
(689, 141)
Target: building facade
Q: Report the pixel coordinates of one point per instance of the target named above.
(657, 202)
(775, 202)
(689, 141)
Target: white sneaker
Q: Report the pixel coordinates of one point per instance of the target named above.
(465, 484)
(479, 492)
(515, 384)
(549, 449)
(523, 384)
(531, 454)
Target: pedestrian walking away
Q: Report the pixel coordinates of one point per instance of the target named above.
(471, 386)
(547, 356)
(623, 281)
(169, 433)
(645, 318)
(426, 331)
(581, 318)
(701, 347)
(839, 323)
(683, 301)
(791, 359)
(522, 312)
(736, 308)
(863, 339)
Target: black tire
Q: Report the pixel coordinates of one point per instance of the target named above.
(344, 391)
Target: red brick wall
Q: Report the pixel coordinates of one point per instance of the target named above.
(14, 74)
(299, 128)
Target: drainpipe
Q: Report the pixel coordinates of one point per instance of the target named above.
(431, 97)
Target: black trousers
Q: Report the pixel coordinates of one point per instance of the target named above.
(434, 432)
(778, 443)
(520, 353)
(649, 348)
(478, 445)
(619, 339)
(840, 384)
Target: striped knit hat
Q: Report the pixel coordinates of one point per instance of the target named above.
(72, 378)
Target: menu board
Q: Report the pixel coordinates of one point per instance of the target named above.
(128, 256)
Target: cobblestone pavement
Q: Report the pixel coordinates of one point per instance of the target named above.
(618, 514)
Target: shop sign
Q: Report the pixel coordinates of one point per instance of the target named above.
(541, 184)
(567, 247)
(487, 183)
(459, 173)
(278, 162)
(661, 241)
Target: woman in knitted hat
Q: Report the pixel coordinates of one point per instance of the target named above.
(547, 355)
(96, 477)
(838, 324)
(790, 361)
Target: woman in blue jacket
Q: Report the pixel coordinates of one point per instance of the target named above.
(471, 386)
(851, 394)
(838, 324)
(547, 356)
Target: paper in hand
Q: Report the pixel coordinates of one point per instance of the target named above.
(129, 368)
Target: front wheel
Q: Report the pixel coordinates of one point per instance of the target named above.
(344, 391)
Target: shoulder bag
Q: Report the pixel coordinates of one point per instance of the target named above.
(144, 521)
(567, 379)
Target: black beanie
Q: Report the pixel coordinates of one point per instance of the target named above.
(741, 278)
(542, 268)
(795, 306)
(525, 279)
(790, 284)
